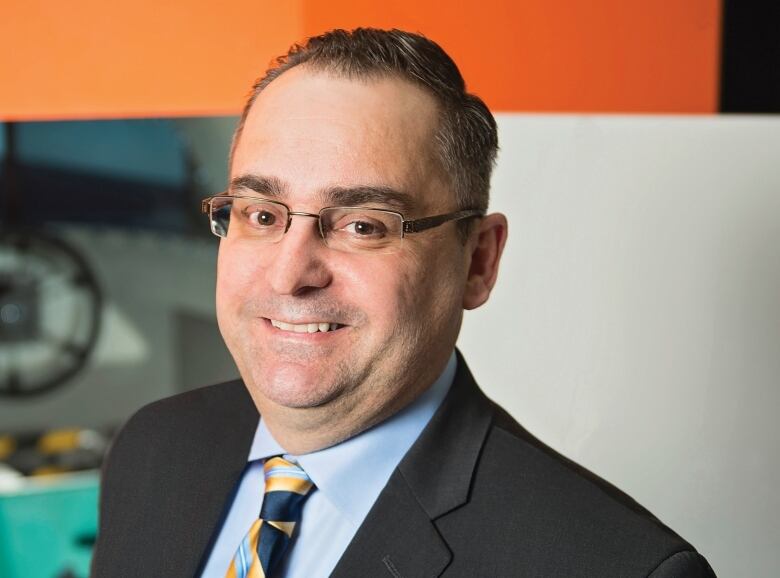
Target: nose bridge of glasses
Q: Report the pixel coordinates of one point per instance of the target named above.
(290, 215)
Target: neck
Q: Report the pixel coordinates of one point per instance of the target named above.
(309, 429)
(305, 430)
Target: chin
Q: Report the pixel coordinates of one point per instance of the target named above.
(295, 386)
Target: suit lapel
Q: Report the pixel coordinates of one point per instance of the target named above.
(396, 539)
(218, 442)
(399, 536)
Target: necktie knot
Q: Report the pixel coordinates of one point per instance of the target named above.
(282, 474)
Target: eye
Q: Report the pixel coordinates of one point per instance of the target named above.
(360, 227)
(260, 217)
(364, 228)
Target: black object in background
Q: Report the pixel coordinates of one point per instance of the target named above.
(750, 65)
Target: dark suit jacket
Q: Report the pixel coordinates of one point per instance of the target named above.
(476, 495)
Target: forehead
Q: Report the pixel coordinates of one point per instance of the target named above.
(312, 130)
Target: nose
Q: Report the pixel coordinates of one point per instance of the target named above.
(299, 263)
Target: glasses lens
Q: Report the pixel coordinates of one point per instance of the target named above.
(244, 216)
(219, 215)
(358, 229)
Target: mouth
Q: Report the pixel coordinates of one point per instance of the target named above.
(312, 327)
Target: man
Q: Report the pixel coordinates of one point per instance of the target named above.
(353, 235)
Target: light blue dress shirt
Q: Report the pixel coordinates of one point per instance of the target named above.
(348, 478)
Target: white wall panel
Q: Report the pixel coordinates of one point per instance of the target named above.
(636, 322)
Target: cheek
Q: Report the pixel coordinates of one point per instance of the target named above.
(372, 283)
(234, 277)
(439, 291)
(399, 291)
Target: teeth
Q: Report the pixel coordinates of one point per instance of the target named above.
(322, 326)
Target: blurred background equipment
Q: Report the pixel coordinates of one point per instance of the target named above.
(106, 304)
(50, 311)
(106, 273)
(48, 495)
(56, 514)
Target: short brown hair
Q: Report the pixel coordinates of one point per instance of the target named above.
(467, 139)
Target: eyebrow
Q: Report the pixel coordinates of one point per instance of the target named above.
(352, 196)
(268, 186)
(364, 195)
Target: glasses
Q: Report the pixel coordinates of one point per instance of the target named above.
(344, 228)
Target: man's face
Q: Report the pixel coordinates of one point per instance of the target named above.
(316, 136)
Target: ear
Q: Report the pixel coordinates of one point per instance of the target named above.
(486, 245)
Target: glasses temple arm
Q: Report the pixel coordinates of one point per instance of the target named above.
(430, 222)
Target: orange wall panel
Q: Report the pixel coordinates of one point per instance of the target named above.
(573, 55)
(96, 59)
(91, 58)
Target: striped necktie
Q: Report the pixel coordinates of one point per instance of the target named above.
(286, 488)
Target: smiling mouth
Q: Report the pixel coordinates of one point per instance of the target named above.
(314, 327)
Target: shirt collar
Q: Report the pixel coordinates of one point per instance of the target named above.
(352, 474)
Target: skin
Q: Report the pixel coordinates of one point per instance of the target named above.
(311, 132)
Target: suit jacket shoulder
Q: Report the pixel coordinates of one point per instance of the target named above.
(166, 479)
(477, 495)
